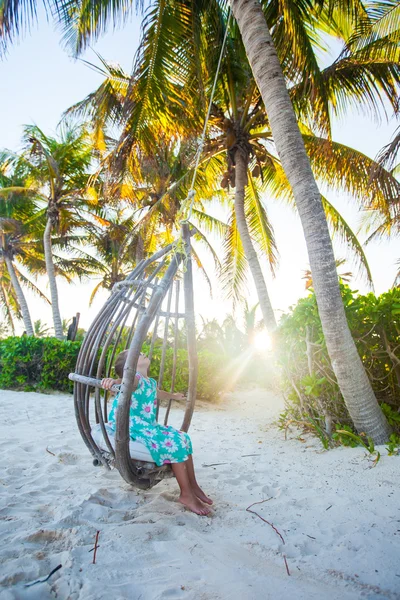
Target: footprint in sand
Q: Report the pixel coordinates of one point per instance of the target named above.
(174, 592)
(67, 458)
(28, 448)
(235, 481)
(272, 491)
(45, 535)
(48, 540)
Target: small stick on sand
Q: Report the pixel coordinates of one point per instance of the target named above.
(47, 450)
(245, 455)
(268, 523)
(95, 547)
(286, 565)
(262, 518)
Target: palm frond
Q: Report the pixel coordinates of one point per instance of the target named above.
(209, 223)
(104, 106)
(202, 238)
(160, 86)
(382, 22)
(94, 292)
(389, 154)
(260, 228)
(360, 81)
(82, 23)
(202, 268)
(296, 39)
(234, 266)
(380, 226)
(16, 18)
(341, 229)
(347, 169)
(30, 285)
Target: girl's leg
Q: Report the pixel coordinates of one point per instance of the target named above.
(195, 486)
(188, 497)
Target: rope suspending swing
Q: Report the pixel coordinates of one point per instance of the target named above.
(149, 296)
(192, 192)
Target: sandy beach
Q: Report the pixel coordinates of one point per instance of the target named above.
(339, 518)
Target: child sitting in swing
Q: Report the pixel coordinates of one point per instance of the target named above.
(166, 444)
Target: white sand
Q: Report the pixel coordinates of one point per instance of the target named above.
(339, 518)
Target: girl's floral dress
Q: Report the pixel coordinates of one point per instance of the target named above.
(166, 444)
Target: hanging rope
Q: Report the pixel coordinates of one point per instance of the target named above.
(192, 191)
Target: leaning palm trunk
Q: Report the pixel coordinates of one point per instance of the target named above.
(251, 255)
(350, 373)
(48, 255)
(20, 296)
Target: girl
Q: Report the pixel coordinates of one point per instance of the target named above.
(166, 444)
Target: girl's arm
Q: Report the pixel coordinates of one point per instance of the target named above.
(109, 382)
(161, 395)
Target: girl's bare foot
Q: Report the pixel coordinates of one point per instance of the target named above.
(194, 504)
(201, 495)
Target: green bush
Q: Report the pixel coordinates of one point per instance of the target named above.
(309, 383)
(30, 363)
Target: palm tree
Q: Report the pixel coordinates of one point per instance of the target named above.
(8, 299)
(16, 242)
(346, 363)
(115, 243)
(10, 231)
(56, 172)
(41, 328)
(5, 328)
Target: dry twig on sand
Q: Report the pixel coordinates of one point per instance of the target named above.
(270, 524)
(95, 547)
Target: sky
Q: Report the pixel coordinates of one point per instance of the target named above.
(39, 80)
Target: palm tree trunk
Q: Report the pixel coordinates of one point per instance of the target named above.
(139, 253)
(48, 255)
(21, 297)
(241, 163)
(350, 373)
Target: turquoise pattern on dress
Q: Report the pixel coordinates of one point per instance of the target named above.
(166, 444)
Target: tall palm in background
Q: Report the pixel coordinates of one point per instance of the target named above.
(14, 242)
(9, 305)
(114, 242)
(18, 247)
(55, 173)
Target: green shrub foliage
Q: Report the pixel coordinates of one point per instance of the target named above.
(225, 354)
(29, 363)
(312, 394)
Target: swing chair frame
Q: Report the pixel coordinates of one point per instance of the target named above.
(146, 296)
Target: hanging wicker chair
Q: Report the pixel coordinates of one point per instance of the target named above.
(135, 305)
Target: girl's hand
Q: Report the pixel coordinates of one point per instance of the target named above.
(179, 396)
(108, 382)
